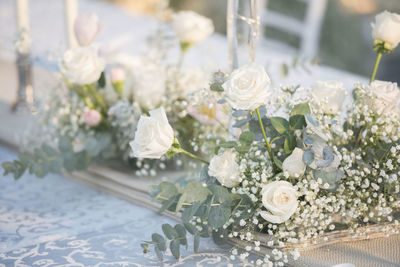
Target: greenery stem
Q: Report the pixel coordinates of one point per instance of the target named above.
(378, 60)
(181, 150)
(271, 155)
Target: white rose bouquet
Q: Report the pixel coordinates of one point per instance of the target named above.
(95, 113)
(291, 178)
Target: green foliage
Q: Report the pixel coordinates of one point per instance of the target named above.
(300, 109)
(46, 159)
(281, 125)
(212, 203)
(193, 192)
(247, 138)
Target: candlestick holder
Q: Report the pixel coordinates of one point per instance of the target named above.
(25, 97)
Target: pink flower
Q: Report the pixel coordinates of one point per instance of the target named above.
(86, 29)
(117, 74)
(208, 113)
(92, 117)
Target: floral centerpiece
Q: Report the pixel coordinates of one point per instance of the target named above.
(308, 162)
(93, 114)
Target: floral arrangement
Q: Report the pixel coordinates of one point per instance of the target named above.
(306, 162)
(94, 112)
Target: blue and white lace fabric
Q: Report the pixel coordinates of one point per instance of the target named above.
(57, 222)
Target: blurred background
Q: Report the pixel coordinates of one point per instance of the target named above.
(345, 29)
(295, 33)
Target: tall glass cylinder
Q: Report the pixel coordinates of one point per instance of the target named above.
(247, 12)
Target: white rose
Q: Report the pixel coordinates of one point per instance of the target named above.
(154, 135)
(149, 84)
(294, 164)
(387, 28)
(225, 168)
(86, 29)
(191, 27)
(384, 97)
(280, 200)
(82, 65)
(247, 87)
(330, 95)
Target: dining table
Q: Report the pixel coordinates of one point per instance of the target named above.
(56, 221)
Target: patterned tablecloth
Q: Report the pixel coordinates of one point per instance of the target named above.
(57, 222)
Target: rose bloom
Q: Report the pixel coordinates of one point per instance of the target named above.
(92, 117)
(387, 28)
(225, 168)
(191, 27)
(154, 135)
(86, 29)
(294, 164)
(208, 113)
(279, 198)
(384, 98)
(247, 87)
(82, 65)
(330, 95)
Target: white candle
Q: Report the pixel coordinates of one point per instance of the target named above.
(71, 11)
(22, 8)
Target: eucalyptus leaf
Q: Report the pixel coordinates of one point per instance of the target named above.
(191, 228)
(228, 144)
(246, 138)
(221, 194)
(240, 123)
(167, 204)
(239, 113)
(242, 149)
(169, 231)
(190, 211)
(193, 192)
(159, 241)
(65, 144)
(180, 229)
(219, 215)
(175, 248)
(158, 253)
(167, 190)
